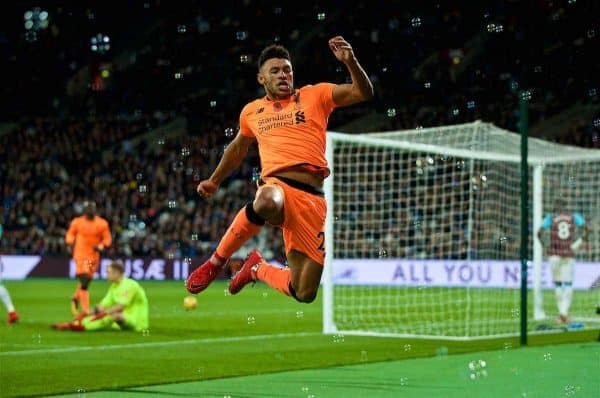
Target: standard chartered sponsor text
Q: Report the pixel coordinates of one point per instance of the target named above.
(272, 122)
(275, 118)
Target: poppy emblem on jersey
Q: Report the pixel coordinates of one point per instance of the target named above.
(277, 107)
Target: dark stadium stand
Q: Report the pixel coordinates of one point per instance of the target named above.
(84, 124)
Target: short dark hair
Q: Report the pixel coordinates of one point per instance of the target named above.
(118, 266)
(273, 51)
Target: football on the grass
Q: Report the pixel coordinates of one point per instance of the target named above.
(190, 302)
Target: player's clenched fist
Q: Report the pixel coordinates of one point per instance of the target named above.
(206, 188)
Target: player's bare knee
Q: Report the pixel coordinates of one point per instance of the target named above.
(268, 202)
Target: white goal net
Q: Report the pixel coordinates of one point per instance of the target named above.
(423, 231)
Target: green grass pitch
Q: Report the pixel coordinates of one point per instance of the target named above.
(256, 332)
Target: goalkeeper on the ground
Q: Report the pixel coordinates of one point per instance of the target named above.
(125, 306)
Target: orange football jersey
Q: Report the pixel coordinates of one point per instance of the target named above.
(86, 234)
(290, 132)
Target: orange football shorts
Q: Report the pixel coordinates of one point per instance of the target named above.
(86, 265)
(304, 217)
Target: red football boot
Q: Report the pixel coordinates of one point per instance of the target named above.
(246, 274)
(12, 317)
(202, 277)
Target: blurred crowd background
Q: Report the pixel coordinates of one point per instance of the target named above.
(132, 106)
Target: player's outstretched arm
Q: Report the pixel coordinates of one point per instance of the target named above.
(232, 157)
(361, 88)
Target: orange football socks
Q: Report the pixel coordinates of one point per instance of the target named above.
(245, 225)
(277, 278)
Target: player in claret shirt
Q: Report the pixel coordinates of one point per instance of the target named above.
(289, 126)
(567, 234)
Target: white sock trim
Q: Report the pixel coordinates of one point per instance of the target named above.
(5, 297)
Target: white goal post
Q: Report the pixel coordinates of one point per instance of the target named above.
(422, 232)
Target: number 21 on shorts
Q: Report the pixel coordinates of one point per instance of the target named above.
(321, 236)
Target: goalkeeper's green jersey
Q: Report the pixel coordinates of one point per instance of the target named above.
(130, 294)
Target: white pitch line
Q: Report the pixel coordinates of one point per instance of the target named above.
(202, 314)
(157, 344)
(3, 346)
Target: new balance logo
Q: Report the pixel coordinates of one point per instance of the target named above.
(300, 118)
